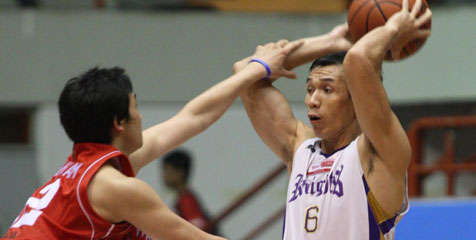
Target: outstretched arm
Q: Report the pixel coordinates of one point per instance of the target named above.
(362, 67)
(202, 111)
(139, 205)
(315, 47)
(269, 111)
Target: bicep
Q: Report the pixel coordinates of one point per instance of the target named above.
(143, 208)
(374, 114)
(138, 204)
(273, 120)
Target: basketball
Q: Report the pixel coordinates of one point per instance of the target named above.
(365, 15)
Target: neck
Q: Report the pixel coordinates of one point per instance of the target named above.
(117, 143)
(341, 140)
(182, 188)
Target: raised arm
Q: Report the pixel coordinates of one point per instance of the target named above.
(335, 41)
(202, 111)
(362, 67)
(269, 111)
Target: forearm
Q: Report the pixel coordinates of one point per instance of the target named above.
(374, 45)
(312, 48)
(213, 103)
(272, 118)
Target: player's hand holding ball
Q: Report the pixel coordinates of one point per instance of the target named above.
(408, 26)
(410, 19)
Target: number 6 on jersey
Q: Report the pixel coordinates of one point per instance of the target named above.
(310, 223)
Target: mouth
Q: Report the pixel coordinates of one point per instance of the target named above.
(314, 118)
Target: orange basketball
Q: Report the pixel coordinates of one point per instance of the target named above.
(365, 15)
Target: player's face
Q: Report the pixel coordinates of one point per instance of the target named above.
(133, 127)
(330, 109)
(172, 177)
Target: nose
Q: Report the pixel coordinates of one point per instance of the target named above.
(314, 100)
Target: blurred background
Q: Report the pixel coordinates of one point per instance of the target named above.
(175, 49)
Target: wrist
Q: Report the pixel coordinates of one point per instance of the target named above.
(336, 43)
(255, 70)
(263, 65)
(391, 29)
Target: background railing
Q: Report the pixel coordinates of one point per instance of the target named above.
(447, 162)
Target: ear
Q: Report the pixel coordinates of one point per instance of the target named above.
(118, 127)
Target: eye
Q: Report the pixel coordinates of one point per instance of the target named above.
(327, 89)
(309, 90)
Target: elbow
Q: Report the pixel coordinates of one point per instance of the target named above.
(203, 123)
(199, 122)
(357, 61)
(354, 56)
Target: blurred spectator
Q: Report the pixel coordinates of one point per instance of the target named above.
(176, 169)
(28, 3)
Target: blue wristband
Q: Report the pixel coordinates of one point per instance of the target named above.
(265, 65)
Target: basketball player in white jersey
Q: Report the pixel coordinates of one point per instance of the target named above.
(348, 170)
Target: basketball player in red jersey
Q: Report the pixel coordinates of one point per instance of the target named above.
(95, 195)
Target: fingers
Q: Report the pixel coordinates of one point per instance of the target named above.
(282, 42)
(341, 27)
(258, 48)
(416, 8)
(421, 34)
(423, 19)
(405, 5)
(269, 45)
(292, 46)
(396, 54)
(288, 74)
(344, 27)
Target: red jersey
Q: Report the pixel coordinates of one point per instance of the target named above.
(188, 207)
(60, 209)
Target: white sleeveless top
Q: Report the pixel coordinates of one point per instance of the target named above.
(328, 198)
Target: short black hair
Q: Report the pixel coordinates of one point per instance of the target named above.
(89, 103)
(336, 58)
(330, 59)
(179, 160)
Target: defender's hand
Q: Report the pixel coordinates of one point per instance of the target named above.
(274, 55)
(340, 36)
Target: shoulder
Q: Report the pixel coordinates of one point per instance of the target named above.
(304, 134)
(110, 192)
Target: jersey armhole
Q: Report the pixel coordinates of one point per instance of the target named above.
(83, 197)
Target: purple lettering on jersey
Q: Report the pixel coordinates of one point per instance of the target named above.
(141, 235)
(331, 183)
(336, 187)
(297, 188)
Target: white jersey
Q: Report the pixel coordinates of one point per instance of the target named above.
(328, 198)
